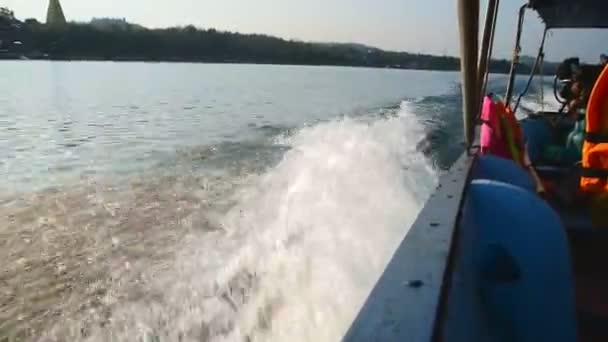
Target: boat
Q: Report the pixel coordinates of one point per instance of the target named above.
(509, 247)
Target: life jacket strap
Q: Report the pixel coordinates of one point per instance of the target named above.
(589, 172)
(596, 138)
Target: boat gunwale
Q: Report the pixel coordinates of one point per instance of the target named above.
(407, 302)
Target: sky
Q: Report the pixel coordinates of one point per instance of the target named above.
(420, 26)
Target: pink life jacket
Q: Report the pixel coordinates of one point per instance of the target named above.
(491, 139)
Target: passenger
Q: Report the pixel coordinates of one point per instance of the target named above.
(570, 91)
(567, 68)
(578, 81)
(583, 80)
(575, 102)
(603, 60)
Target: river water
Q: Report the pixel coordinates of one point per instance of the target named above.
(200, 202)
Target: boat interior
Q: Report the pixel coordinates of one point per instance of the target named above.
(583, 214)
(513, 245)
(566, 164)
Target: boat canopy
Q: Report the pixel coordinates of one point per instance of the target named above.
(572, 13)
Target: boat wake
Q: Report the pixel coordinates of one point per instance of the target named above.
(532, 103)
(287, 254)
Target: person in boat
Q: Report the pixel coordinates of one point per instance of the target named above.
(577, 83)
(603, 60)
(578, 80)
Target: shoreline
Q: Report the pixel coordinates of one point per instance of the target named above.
(22, 58)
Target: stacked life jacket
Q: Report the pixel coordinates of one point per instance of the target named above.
(501, 133)
(594, 177)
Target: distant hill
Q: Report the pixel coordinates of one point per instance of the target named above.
(113, 24)
(117, 39)
(354, 46)
(548, 66)
(527, 60)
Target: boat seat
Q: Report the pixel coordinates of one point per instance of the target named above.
(568, 201)
(577, 219)
(554, 146)
(570, 208)
(552, 171)
(538, 134)
(503, 170)
(579, 222)
(594, 326)
(522, 259)
(546, 113)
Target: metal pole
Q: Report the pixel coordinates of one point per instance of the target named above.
(485, 46)
(484, 87)
(516, 51)
(468, 14)
(537, 64)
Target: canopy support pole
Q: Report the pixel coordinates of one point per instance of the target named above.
(468, 14)
(484, 87)
(486, 46)
(516, 51)
(537, 68)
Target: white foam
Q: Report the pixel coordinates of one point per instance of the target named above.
(327, 219)
(302, 247)
(532, 103)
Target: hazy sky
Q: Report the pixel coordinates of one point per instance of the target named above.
(427, 26)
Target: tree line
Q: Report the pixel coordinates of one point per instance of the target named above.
(110, 39)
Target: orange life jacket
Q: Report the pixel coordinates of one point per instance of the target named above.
(594, 178)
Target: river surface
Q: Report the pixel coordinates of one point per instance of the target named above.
(200, 202)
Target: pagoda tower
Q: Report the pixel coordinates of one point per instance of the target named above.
(54, 15)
